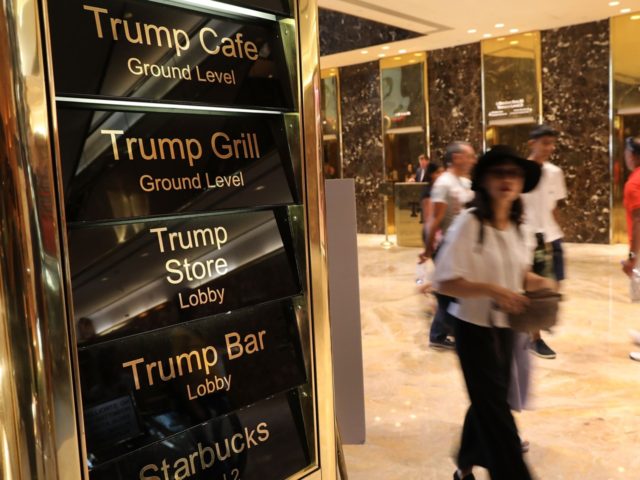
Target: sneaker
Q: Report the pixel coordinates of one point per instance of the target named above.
(635, 336)
(635, 356)
(541, 349)
(446, 344)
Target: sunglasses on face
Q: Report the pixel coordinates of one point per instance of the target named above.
(506, 173)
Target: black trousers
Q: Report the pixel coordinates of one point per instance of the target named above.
(490, 436)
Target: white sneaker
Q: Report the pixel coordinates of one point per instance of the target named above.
(635, 336)
(635, 356)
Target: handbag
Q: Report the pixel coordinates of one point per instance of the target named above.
(540, 314)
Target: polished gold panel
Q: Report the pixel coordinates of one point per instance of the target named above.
(511, 88)
(316, 235)
(331, 124)
(625, 91)
(408, 213)
(405, 119)
(38, 419)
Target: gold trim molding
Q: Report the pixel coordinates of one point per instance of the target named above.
(37, 414)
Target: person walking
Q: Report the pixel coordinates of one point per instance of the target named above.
(632, 207)
(542, 216)
(449, 195)
(485, 264)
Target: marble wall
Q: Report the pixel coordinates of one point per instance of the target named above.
(362, 141)
(340, 32)
(576, 101)
(455, 97)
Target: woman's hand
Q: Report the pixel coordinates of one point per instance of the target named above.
(508, 301)
(534, 283)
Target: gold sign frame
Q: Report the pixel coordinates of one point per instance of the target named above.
(40, 415)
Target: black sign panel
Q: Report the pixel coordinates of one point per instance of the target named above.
(186, 375)
(145, 50)
(276, 6)
(262, 442)
(135, 277)
(127, 164)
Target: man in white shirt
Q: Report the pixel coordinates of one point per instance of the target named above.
(449, 196)
(542, 217)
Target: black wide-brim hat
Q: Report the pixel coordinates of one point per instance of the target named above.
(500, 154)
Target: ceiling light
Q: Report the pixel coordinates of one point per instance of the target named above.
(417, 54)
(635, 17)
(386, 47)
(402, 51)
(381, 55)
(487, 35)
(412, 61)
(499, 25)
(614, 4)
(472, 30)
(397, 58)
(625, 10)
(364, 52)
(501, 39)
(514, 42)
(514, 30)
(528, 34)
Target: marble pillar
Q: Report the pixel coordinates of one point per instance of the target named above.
(362, 141)
(575, 78)
(455, 97)
(341, 32)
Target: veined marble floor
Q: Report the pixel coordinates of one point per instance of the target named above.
(586, 421)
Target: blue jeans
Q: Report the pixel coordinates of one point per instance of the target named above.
(443, 321)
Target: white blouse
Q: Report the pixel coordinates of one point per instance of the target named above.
(503, 258)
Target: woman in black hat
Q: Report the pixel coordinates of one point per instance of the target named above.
(484, 263)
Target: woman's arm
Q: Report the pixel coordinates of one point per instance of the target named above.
(507, 301)
(534, 282)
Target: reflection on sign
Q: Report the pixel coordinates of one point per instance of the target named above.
(113, 421)
(191, 373)
(262, 442)
(147, 50)
(120, 165)
(142, 276)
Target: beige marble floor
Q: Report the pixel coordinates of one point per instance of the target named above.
(586, 422)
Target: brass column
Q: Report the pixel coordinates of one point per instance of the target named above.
(37, 415)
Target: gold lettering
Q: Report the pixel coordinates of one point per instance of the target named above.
(114, 30)
(222, 151)
(212, 32)
(171, 142)
(134, 367)
(159, 231)
(130, 142)
(149, 27)
(96, 15)
(114, 143)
